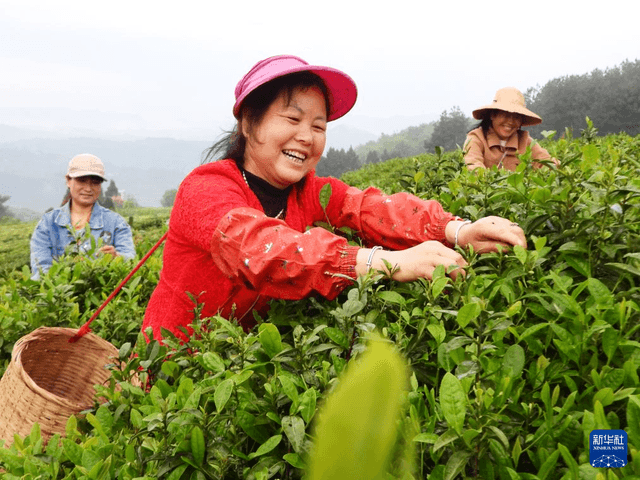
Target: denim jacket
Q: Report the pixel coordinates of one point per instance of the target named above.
(51, 236)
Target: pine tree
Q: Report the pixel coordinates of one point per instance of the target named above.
(112, 190)
(4, 210)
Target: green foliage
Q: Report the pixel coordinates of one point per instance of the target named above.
(112, 190)
(14, 245)
(449, 131)
(168, 198)
(511, 366)
(4, 210)
(407, 142)
(357, 426)
(336, 162)
(604, 96)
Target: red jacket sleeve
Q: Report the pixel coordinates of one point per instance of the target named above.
(396, 221)
(275, 260)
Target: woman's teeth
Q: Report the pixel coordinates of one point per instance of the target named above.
(295, 155)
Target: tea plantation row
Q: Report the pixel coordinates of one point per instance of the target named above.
(511, 368)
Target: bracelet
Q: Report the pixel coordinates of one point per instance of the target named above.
(370, 260)
(455, 242)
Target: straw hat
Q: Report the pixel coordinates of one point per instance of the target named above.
(509, 99)
(85, 164)
(342, 89)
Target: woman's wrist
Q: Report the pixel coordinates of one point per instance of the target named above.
(369, 259)
(454, 230)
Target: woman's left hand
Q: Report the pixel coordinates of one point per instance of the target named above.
(110, 249)
(487, 233)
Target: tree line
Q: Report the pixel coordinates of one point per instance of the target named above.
(610, 98)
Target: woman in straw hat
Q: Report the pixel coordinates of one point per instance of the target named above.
(499, 139)
(241, 229)
(52, 236)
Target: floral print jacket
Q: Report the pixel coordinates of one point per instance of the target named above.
(225, 254)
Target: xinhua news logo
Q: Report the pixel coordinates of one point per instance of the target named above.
(608, 448)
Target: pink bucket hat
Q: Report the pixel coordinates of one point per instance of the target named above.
(342, 89)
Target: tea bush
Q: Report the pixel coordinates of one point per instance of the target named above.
(511, 368)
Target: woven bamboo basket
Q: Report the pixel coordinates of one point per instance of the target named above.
(50, 379)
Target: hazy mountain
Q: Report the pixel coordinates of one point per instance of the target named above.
(345, 136)
(24, 214)
(37, 144)
(389, 125)
(32, 171)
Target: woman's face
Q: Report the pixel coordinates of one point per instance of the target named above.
(289, 140)
(84, 190)
(505, 124)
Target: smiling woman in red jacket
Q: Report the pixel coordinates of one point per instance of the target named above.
(241, 229)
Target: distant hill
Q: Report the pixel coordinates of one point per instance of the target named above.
(345, 136)
(34, 158)
(23, 214)
(33, 170)
(407, 142)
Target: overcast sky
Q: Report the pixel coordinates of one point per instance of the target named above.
(174, 65)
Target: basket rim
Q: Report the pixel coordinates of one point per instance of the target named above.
(37, 334)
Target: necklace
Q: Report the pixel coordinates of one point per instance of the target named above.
(280, 214)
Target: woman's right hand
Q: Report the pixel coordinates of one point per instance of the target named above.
(413, 263)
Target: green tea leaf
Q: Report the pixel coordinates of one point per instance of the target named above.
(337, 337)
(197, 445)
(604, 397)
(438, 285)
(356, 431)
(548, 465)
(212, 361)
(308, 404)
(633, 420)
(266, 447)
(223, 393)
(513, 361)
(438, 332)
(467, 313)
(270, 339)
(294, 429)
(453, 402)
(579, 264)
(288, 388)
(426, 438)
(569, 460)
(392, 297)
(445, 439)
(242, 377)
(325, 195)
(599, 291)
(455, 465)
(520, 253)
(72, 450)
(295, 460)
(610, 338)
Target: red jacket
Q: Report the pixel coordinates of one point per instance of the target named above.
(229, 255)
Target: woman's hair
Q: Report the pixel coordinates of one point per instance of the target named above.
(254, 106)
(66, 198)
(485, 123)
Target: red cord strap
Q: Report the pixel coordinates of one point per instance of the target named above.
(82, 331)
